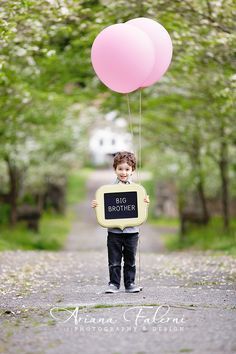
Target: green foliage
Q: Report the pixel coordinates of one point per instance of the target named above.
(47, 83)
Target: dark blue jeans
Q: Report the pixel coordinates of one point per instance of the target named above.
(122, 245)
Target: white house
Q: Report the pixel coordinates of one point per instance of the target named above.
(106, 140)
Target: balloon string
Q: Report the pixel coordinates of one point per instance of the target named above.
(140, 165)
(130, 118)
(140, 131)
(136, 151)
(139, 261)
(139, 159)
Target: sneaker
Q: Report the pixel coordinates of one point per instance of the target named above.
(112, 289)
(132, 288)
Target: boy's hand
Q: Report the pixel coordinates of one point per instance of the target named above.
(146, 199)
(94, 203)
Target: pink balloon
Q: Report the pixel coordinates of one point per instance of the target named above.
(123, 57)
(162, 45)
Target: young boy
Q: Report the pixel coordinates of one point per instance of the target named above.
(122, 242)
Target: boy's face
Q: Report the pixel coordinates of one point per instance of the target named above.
(123, 171)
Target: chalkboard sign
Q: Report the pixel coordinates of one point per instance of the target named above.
(121, 205)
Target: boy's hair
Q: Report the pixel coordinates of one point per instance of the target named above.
(124, 156)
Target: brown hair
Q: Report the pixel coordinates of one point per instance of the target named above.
(125, 156)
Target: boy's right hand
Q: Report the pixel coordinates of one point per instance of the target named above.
(94, 203)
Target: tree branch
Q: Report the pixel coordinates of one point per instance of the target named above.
(204, 16)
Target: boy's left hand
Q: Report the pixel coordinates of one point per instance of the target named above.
(146, 199)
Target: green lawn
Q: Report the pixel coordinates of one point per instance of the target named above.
(210, 237)
(77, 185)
(53, 229)
(52, 234)
(162, 221)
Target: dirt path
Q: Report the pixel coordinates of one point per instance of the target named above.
(54, 302)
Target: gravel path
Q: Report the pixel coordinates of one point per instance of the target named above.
(54, 302)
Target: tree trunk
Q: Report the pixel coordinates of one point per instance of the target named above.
(197, 164)
(181, 205)
(13, 173)
(223, 165)
(202, 197)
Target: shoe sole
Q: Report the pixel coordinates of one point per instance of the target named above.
(111, 292)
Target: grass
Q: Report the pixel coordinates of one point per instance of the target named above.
(101, 306)
(210, 237)
(52, 234)
(161, 221)
(53, 229)
(76, 185)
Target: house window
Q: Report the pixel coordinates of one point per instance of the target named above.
(101, 142)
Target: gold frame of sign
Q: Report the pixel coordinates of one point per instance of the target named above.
(124, 222)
